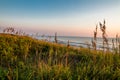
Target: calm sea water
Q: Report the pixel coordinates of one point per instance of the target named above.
(76, 41)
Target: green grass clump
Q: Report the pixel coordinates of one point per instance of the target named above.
(25, 58)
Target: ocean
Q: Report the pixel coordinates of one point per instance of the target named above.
(76, 41)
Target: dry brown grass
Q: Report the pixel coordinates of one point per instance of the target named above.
(56, 38)
(94, 41)
(104, 36)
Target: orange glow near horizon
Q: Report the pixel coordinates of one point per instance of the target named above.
(64, 30)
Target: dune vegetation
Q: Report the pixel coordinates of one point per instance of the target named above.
(25, 58)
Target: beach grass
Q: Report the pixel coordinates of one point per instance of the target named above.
(25, 58)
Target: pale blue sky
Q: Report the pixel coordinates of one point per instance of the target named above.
(67, 17)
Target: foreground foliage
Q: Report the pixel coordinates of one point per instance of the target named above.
(24, 58)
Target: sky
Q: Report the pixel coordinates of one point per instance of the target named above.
(66, 17)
